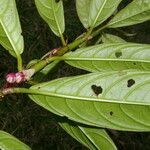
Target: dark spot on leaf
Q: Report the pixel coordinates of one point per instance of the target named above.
(130, 82)
(111, 113)
(118, 54)
(134, 63)
(97, 89)
(39, 87)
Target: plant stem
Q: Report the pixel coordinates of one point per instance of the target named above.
(19, 61)
(98, 31)
(63, 40)
(42, 63)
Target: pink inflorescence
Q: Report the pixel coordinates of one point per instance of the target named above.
(15, 77)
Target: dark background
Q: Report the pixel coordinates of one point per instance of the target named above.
(29, 122)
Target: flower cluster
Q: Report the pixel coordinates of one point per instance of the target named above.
(15, 77)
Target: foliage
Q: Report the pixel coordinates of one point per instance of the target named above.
(116, 91)
(7, 141)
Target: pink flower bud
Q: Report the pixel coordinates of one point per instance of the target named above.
(11, 78)
(20, 77)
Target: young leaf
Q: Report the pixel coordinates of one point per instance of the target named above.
(115, 56)
(136, 12)
(9, 142)
(93, 12)
(116, 100)
(93, 138)
(109, 38)
(53, 13)
(10, 30)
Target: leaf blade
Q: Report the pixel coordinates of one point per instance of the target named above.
(109, 38)
(89, 136)
(134, 13)
(77, 134)
(9, 142)
(10, 29)
(80, 103)
(108, 57)
(53, 13)
(99, 138)
(93, 12)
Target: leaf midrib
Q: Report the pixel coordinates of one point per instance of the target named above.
(99, 12)
(83, 98)
(103, 59)
(57, 24)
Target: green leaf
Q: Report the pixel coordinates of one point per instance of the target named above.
(9, 142)
(53, 13)
(115, 56)
(109, 38)
(93, 138)
(10, 30)
(136, 12)
(77, 134)
(93, 12)
(116, 100)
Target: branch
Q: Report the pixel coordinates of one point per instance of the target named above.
(55, 54)
(61, 51)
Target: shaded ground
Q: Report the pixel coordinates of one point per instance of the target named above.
(31, 123)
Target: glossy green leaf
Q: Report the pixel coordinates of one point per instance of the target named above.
(93, 12)
(117, 100)
(136, 12)
(109, 38)
(115, 56)
(10, 30)
(53, 13)
(93, 138)
(9, 142)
